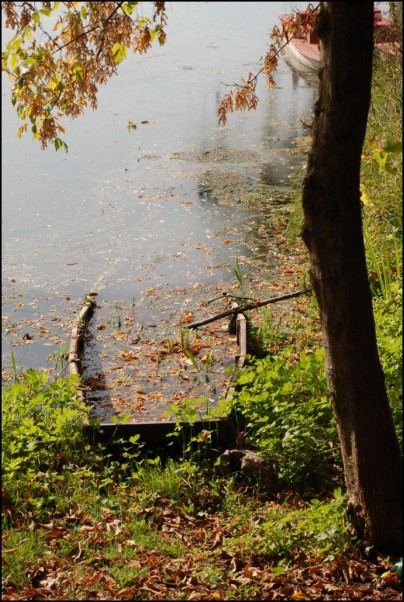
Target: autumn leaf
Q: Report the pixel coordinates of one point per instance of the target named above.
(55, 534)
(390, 578)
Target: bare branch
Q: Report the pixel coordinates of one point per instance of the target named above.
(247, 307)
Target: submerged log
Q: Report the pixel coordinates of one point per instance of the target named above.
(76, 340)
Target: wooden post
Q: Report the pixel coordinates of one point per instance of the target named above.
(241, 332)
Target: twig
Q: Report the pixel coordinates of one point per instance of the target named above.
(247, 307)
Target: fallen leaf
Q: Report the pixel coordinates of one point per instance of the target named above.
(390, 578)
(55, 534)
(76, 552)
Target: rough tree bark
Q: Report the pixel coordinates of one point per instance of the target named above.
(333, 234)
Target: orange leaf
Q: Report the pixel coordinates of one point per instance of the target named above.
(390, 578)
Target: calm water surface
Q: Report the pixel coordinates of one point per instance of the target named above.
(125, 209)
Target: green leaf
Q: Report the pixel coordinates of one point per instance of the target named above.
(60, 144)
(78, 70)
(380, 158)
(277, 570)
(46, 11)
(15, 43)
(129, 7)
(13, 60)
(119, 52)
(287, 388)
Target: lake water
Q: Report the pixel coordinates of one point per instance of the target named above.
(127, 212)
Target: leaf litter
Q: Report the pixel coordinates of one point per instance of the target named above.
(95, 554)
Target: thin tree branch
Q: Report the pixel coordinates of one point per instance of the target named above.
(247, 307)
(85, 33)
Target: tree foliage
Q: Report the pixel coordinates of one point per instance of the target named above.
(63, 51)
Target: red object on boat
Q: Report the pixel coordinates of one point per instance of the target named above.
(305, 47)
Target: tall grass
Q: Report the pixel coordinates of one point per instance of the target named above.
(384, 262)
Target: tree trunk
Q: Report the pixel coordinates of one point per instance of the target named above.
(333, 234)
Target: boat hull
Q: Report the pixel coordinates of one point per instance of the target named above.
(307, 54)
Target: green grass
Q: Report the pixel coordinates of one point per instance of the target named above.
(20, 552)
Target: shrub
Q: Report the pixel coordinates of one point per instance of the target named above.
(285, 410)
(41, 434)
